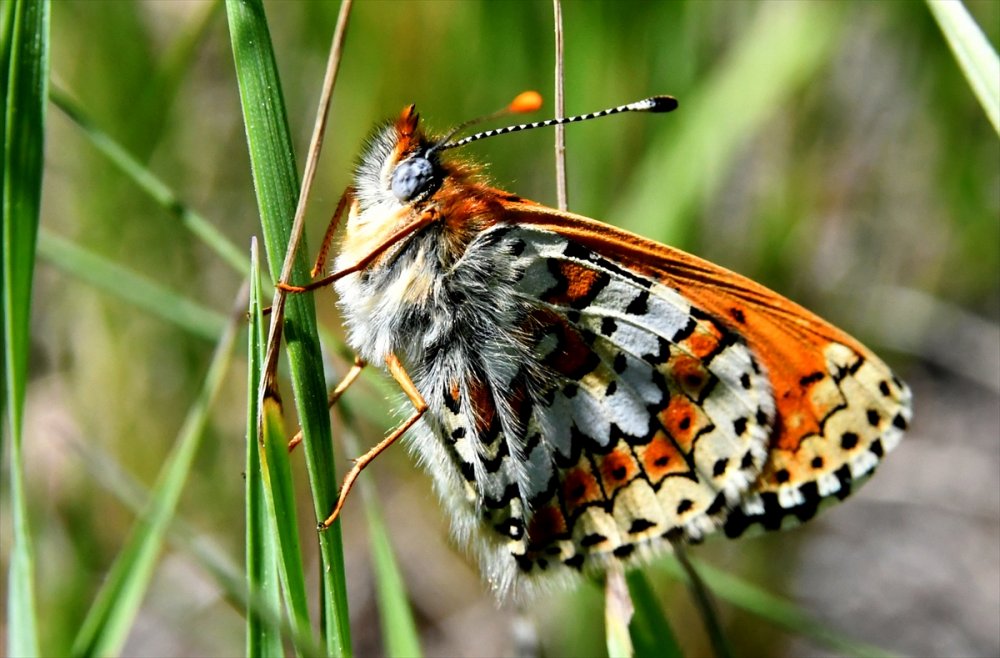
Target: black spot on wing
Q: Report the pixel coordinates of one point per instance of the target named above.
(624, 550)
(639, 305)
(811, 378)
(684, 331)
(640, 525)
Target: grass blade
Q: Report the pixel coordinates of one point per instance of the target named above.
(399, 629)
(279, 493)
(704, 603)
(149, 182)
(25, 63)
(770, 607)
(652, 635)
(789, 41)
(263, 639)
(110, 618)
(276, 185)
(618, 612)
(130, 286)
(976, 57)
(106, 471)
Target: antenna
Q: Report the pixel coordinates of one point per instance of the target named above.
(523, 103)
(652, 104)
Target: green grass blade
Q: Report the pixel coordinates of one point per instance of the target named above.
(109, 620)
(106, 471)
(789, 41)
(399, 629)
(770, 607)
(976, 57)
(652, 635)
(25, 63)
(263, 639)
(130, 286)
(149, 182)
(279, 492)
(704, 603)
(276, 185)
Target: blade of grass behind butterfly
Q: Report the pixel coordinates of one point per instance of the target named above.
(976, 57)
(704, 603)
(130, 286)
(110, 619)
(770, 607)
(649, 631)
(276, 185)
(652, 636)
(790, 41)
(149, 182)
(87, 266)
(618, 612)
(263, 639)
(399, 630)
(24, 77)
(109, 474)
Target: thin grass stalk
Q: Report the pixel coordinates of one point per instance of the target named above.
(706, 607)
(772, 608)
(562, 200)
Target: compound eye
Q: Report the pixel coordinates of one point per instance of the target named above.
(412, 178)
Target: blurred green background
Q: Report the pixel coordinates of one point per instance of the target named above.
(832, 151)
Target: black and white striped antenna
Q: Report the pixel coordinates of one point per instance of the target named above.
(651, 104)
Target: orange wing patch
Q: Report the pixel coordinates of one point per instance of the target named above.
(661, 457)
(617, 468)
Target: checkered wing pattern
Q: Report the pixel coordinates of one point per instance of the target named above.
(637, 417)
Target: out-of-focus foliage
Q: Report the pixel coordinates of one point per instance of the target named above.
(833, 151)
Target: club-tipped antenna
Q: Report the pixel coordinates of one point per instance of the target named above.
(651, 104)
(526, 101)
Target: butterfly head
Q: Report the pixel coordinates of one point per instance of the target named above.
(400, 166)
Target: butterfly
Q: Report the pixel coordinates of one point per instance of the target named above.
(584, 396)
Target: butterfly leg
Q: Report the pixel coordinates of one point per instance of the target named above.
(420, 406)
(335, 394)
(331, 229)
